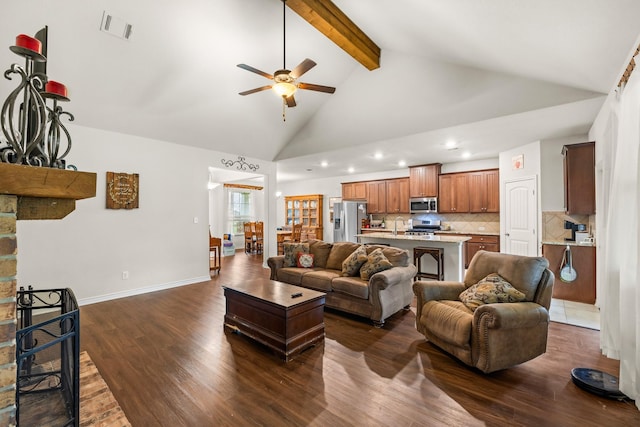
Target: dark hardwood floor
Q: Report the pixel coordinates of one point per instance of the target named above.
(170, 362)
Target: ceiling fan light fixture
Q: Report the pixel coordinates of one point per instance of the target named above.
(284, 89)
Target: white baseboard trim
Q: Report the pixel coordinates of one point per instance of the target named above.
(140, 291)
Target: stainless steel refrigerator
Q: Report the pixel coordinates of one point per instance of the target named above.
(347, 219)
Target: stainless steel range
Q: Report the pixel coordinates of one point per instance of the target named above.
(423, 227)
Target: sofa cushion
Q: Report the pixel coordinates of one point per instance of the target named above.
(339, 252)
(396, 256)
(292, 275)
(490, 290)
(304, 260)
(450, 321)
(320, 251)
(353, 286)
(376, 262)
(351, 265)
(291, 252)
(320, 279)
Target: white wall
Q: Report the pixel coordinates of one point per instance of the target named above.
(532, 168)
(551, 171)
(158, 244)
(472, 165)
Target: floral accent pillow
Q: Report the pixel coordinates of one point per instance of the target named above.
(353, 262)
(304, 260)
(492, 289)
(291, 251)
(376, 262)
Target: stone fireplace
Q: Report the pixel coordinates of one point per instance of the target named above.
(27, 193)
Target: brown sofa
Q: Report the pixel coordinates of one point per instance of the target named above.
(489, 336)
(384, 294)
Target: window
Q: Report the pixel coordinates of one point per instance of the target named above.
(240, 210)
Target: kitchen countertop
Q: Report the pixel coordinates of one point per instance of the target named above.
(428, 237)
(562, 243)
(470, 233)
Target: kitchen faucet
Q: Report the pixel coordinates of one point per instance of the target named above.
(395, 224)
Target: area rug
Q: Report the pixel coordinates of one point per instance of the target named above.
(98, 407)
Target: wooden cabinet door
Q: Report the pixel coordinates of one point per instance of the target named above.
(484, 191)
(398, 195)
(480, 242)
(354, 191)
(454, 193)
(583, 289)
(579, 178)
(376, 197)
(423, 180)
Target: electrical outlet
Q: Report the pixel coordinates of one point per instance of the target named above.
(195, 219)
(125, 275)
(481, 228)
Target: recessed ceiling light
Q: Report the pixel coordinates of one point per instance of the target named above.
(451, 144)
(378, 155)
(324, 164)
(351, 170)
(402, 163)
(466, 154)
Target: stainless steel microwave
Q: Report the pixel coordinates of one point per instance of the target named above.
(423, 205)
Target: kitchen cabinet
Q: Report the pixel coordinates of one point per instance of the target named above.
(354, 191)
(376, 197)
(480, 242)
(398, 195)
(423, 180)
(583, 289)
(454, 193)
(305, 210)
(484, 191)
(579, 178)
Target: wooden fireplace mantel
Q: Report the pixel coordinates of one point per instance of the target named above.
(45, 193)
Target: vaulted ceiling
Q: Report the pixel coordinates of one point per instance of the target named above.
(489, 75)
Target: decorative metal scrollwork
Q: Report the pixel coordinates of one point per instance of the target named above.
(240, 164)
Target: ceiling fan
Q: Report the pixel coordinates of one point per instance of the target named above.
(285, 81)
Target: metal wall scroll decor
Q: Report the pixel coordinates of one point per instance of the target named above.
(34, 134)
(122, 190)
(240, 164)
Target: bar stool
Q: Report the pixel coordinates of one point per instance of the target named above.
(437, 254)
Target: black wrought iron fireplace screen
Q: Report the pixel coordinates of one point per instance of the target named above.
(48, 353)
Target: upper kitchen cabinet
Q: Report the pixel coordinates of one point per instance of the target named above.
(484, 191)
(354, 191)
(454, 193)
(376, 197)
(423, 180)
(579, 178)
(398, 195)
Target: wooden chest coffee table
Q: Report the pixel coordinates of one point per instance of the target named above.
(285, 318)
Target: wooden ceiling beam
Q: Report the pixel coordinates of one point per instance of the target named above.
(327, 18)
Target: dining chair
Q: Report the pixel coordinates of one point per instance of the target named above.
(259, 237)
(296, 233)
(215, 253)
(249, 230)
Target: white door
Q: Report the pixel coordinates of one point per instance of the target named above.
(521, 218)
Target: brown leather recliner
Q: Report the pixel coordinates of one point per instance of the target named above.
(494, 336)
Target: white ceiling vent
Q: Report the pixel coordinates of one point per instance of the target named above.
(115, 26)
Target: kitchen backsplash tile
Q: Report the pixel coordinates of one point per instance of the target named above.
(553, 225)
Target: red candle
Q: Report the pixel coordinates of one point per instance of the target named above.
(29, 42)
(56, 88)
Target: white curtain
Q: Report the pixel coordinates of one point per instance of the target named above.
(619, 286)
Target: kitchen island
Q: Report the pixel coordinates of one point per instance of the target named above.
(452, 245)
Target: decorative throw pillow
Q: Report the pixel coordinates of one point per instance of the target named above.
(291, 251)
(376, 262)
(304, 260)
(492, 289)
(353, 262)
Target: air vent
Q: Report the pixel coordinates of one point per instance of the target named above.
(115, 26)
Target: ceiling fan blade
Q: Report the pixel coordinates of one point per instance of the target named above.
(318, 88)
(302, 68)
(291, 102)
(258, 89)
(255, 70)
